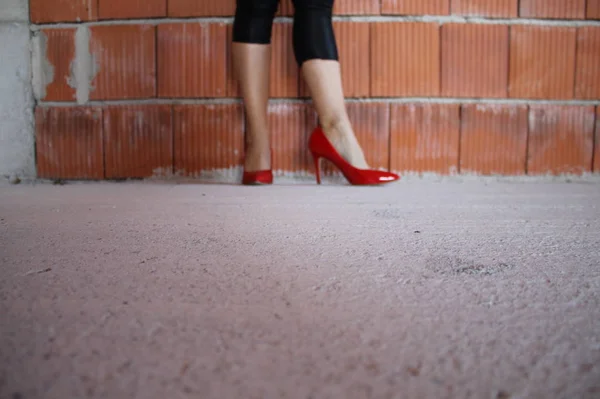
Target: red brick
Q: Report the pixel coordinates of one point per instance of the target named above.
(493, 139)
(286, 8)
(284, 69)
(593, 9)
(542, 62)
(474, 60)
(290, 126)
(560, 139)
(486, 8)
(424, 138)
(201, 8)
(42, 11)
(192, 60)
(588, 63)
(356, 7)
(69, 143)
(597, 141)
(405, 59)
(233, 89)
(138, 141)
(303, 91)
(354, 48)
(125, 57)
(416, 7)
(208, 138)
(113, 9)
(371, 124)
(59, 52)
(574, 9)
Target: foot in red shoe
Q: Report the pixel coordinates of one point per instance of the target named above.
(321, 147)
(259, 177)
(262, 177)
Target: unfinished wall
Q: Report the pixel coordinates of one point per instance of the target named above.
(139, 88)
(16, 100)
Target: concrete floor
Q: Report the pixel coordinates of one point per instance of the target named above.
(416, 290)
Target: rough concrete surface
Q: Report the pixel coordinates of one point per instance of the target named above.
(417, 290)
(16, 101)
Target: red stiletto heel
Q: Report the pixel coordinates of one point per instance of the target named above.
(259, 178)
(320, 147)
(317, 167)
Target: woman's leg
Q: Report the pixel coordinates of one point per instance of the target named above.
(251, 58)
(316, 52)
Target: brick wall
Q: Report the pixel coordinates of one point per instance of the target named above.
(144, 87)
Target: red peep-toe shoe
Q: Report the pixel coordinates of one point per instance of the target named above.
(320, 147)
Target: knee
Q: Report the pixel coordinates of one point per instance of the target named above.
(254, 21)
(314, 37)
(324, 6)
(258, 9)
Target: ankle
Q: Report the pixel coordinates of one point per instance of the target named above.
(337, 127)
(340, 134)
(258, 142)
(256, 158)
(257, 145)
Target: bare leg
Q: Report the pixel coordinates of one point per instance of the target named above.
(324, 81)
(252, 63)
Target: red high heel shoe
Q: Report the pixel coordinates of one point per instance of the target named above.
(320, 147)
(259, 178)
